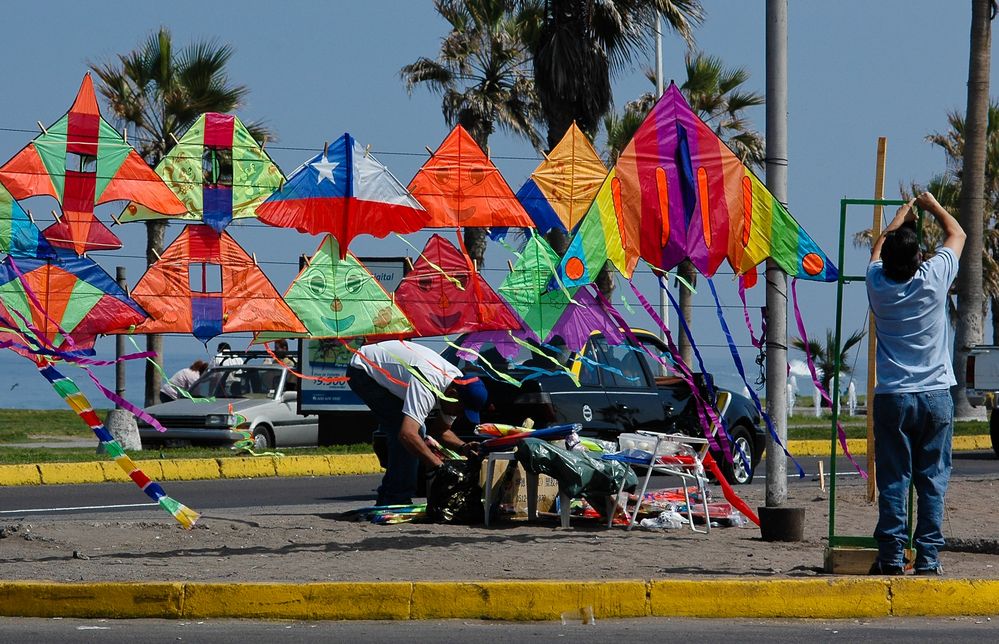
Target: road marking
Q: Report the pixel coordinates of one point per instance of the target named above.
(82, 507)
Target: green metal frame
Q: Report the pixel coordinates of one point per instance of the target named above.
(844, 278)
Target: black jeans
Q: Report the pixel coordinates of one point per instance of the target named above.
(399, 483)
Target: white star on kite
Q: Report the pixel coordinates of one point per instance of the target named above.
(325, 170)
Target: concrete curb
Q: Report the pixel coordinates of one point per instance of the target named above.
(506, 600)
(191, 469)
(331, 465)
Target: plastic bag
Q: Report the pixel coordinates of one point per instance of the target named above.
(457, 500)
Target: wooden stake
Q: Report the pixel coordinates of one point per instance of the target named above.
(31, 217)
(115, 219)
(429, 151)
(409, 264)
(156, 253)
(872, 340)
(124, 134)
(326, 148)
(509, 263)
(822, 476)
(42, 127)
(55, 216)
(175, 141)
(254, 255)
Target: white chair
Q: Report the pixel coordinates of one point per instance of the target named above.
(664, 459)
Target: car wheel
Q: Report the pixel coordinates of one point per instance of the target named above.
(738, 472)
(263, 437)
(994, 430)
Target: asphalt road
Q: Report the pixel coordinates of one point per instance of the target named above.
(118, 500)
(745, 631)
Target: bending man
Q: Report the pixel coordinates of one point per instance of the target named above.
(382, 375)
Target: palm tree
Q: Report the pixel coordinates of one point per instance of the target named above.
(969, 277)
(482, 76)
(161, 92)
(714, 93)
(581, 44)
(825, 357)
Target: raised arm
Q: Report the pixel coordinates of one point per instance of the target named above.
(954, 235)
(902, 215)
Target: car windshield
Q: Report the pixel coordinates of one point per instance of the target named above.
(238, 382)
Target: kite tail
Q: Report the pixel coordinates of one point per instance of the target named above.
(757, 342)
(69, 392)
(742, 374)
(840, 432)
(705, 414)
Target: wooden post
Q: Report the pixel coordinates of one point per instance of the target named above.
(872, 341)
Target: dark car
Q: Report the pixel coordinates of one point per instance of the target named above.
(612, 389)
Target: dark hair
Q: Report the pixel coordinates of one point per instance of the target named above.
(199, 366)
(900, 252)
(223, 346)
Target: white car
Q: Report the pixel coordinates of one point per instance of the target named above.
(266, 395)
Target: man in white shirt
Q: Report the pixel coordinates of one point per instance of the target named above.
(402, 382)
(225, 357)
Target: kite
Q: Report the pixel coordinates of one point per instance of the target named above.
(65, 295)
(526, 288)
(82, 161)
(217, 170)
(459, 186)
(583, 317)
(678, 192)
(346, 192)
(79, 403)
(567, 180)
(204, 283)
(18, 234)
(335, 296)
(443, 294)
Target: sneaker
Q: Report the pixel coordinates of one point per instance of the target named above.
(930, 572)
(878, 568)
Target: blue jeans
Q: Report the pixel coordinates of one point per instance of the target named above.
(399, 483)
(913, 434)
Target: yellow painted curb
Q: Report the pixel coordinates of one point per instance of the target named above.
(835, 597)
(529, 600)
(19, 475)
(343, 464)
(302, 466)
(825, 598)
(858, 446)
(189, 469)
(927, 596)
(112, 600)
(343, 600)
(247, 468)
(61, 473)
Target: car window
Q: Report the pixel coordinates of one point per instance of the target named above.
(242, 382)
(625, 366)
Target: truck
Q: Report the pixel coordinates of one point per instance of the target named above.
(609, 390)
(982, 385)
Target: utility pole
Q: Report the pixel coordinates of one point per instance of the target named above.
(776, 490)
(660, 88)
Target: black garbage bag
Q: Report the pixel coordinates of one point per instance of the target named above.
(454, 495)
(577, 473)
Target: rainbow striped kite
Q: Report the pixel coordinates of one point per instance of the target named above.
(678, 192)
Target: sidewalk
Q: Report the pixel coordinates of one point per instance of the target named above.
(304, 562)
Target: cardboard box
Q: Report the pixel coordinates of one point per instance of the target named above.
(509, 493)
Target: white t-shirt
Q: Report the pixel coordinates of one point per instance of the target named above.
(226, 359)
(417, 399)
(183, 379)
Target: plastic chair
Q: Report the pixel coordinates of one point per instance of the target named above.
(663, 459)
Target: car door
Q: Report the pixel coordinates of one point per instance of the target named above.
(293, 428)
(633, 401)
(586, 403)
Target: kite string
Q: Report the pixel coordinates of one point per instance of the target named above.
(841, 433)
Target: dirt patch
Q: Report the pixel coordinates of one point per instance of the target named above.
(313, 544)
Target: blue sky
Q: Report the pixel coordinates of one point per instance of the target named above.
(857, 70)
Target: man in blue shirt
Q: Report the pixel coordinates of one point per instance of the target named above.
(913, 408)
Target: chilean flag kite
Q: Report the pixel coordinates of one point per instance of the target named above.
(346, 192)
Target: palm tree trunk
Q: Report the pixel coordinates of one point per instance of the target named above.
(155, 235)
(476, 238)
(969, 279)
(687, 271)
